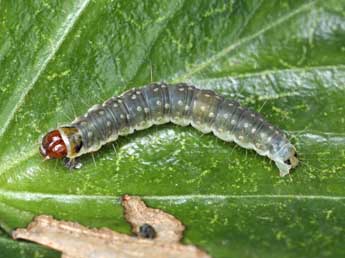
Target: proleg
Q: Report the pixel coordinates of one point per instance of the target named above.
(160, 103)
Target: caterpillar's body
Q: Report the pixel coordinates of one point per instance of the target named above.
(180, 104)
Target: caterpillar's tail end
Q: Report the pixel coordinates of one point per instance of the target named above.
(286, 159)
(288, 164)
(284, 172)
(283, 168)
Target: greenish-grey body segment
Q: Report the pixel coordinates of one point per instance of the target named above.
(181, 104)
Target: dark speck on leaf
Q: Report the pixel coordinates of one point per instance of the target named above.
(147, 231)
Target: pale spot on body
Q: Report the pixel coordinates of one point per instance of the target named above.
(211, 114)
(245, 125)
(139, 108)
(122, 116)
(233, 122)
(155, 89)
(186, 108)
(240, 137)
(146, 110)
(226, 116)
(207, 95)
(89, 134)
(134, 96)
(166, 105)
(203, 108)
(101, 112)
(108, 123)
(181, 89)
(180, 102)
(115, 105)
(190, 88)
(253, 130)
(158, 103)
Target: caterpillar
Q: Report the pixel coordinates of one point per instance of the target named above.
(160, 103)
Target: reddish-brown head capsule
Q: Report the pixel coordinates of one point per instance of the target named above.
(53, 146)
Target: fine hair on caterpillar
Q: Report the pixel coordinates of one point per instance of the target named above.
(160, 103)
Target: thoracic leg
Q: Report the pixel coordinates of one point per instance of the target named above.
(72, 163)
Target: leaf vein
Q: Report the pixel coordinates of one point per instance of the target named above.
(241, 41)
(277, 71)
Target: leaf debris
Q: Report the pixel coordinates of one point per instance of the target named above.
(77, 241)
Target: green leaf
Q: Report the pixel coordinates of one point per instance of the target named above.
(284, 58)
(10, 248)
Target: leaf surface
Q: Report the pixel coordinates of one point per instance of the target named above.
(282, 58)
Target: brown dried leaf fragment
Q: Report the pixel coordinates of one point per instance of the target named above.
(77, 241)
(168, 228)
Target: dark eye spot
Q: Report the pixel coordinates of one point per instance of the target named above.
(288, 162)
(147, 231)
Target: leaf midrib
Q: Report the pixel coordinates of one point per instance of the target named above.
(34, 196)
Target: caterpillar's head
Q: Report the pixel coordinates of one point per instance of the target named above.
(53, 146)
